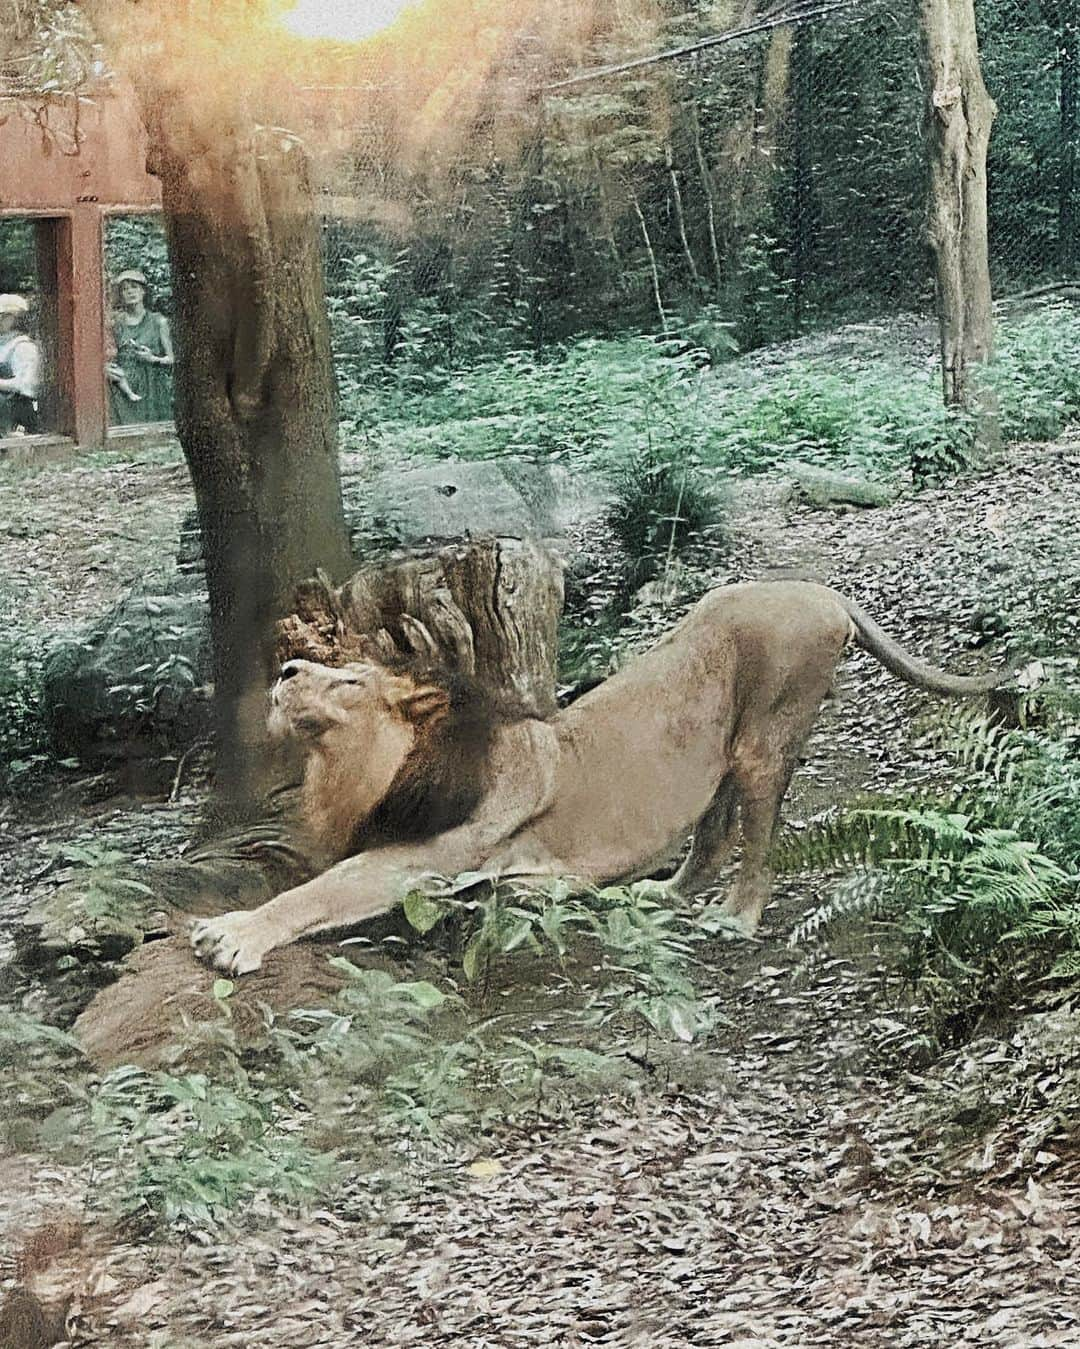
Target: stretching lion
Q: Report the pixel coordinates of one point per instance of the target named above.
(407, 776)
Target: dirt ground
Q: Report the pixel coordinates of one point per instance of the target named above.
(769, 1188)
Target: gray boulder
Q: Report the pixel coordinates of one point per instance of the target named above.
(455, 499)
(828, 489)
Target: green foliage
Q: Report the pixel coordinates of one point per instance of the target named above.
(643, 948)
(982, 889)
(41, 1080)
(187, 1150)
(1035, 374)
(941, 448)
(18, 255)
(377, 1022)
(23, 735)
(659, 505)
(649, 415)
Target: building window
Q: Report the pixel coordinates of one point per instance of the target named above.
(32, 399)
(138, 338)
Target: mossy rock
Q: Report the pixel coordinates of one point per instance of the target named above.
(830, 490)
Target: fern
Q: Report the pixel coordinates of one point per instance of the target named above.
(870, 837)
(865, 895)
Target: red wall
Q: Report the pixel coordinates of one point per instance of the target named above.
(82, 162)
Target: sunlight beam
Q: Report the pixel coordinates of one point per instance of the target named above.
(342, 20)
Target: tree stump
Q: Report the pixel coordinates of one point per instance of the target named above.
(489, 608)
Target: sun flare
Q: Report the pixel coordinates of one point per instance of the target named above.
(342, 20)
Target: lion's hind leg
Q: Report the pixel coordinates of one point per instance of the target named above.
(761, 794)
(713, 840)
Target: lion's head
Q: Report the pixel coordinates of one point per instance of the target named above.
(392, 754)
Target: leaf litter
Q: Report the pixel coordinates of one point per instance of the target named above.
(785, 1183)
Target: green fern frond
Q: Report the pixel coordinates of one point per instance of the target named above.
(873, 837)
(867, 894)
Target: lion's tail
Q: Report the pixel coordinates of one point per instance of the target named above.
(910, 668)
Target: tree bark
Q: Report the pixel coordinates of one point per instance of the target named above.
(802, 206)
(254, 385)
(654, 270)
(959, 117)
(680, 219)
(705, 173)
(489, 608)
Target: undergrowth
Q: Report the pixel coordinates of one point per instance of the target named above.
(602, 403)
(982, 886)
(23, 732)
(230, 1131)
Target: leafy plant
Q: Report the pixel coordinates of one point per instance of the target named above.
(645, 948)
(188, 1150)
(43, 1081)
(659, 505)
(23, 734)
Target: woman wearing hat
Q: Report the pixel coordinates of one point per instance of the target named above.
(140, 371)
(20, 369)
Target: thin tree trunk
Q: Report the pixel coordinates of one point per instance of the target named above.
(653, 268)
(1070, 78)
(959, 117)
(680, 218)
(802, 80)
(707, 184)
(710, 206)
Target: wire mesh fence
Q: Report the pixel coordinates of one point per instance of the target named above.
(742, 186)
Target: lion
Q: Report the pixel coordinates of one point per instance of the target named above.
(411, 774)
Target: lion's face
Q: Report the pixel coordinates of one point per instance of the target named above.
(359, 723)
(310, 701)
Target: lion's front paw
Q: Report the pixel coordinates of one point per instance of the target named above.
(234, 943)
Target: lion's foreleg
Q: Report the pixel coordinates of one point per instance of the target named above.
(352, 891)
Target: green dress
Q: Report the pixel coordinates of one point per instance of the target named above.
(153, 383)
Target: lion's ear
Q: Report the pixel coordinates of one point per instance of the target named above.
(424, 702)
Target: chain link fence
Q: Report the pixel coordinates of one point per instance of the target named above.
(768, 183)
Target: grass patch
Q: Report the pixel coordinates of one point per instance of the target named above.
(607, 403)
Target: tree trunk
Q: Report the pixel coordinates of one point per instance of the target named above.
(802, 208)
(654, 270)
(680, 219)
(488, 608)
(959, 117)
(255, 413)
(254, 385)
(708, 188)
(1069, 59)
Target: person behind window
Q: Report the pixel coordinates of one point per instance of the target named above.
(20, 369)
(140, 369)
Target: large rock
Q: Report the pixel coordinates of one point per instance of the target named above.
(135, 675)
(838, 491)
(508, 498)
(447, 501)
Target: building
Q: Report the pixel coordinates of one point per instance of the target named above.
(68, 167)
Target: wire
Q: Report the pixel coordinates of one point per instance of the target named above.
(674, 53)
